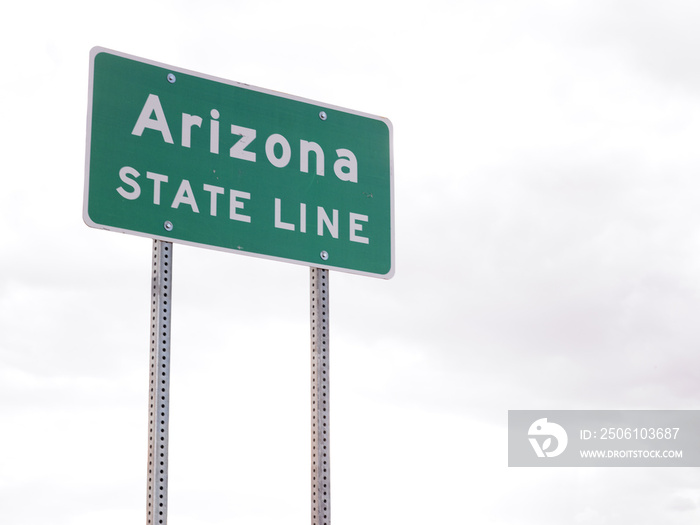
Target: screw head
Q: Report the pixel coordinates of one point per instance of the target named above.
(171, 78)
(168, 226)
(323, 115)
(324, 255)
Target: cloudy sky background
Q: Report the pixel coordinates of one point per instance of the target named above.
(548, 257)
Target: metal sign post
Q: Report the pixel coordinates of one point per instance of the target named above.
(159, 405)
(320, 400)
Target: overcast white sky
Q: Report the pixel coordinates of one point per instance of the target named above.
(548, 257)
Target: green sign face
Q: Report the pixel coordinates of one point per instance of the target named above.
(179, 156)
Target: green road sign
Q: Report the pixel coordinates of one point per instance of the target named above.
(180, 156)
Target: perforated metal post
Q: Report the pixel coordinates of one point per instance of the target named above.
(320, 401)
(159, 404)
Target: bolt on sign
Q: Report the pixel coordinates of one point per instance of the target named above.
(181, 156)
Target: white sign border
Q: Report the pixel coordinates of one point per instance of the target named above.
(86, 218)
